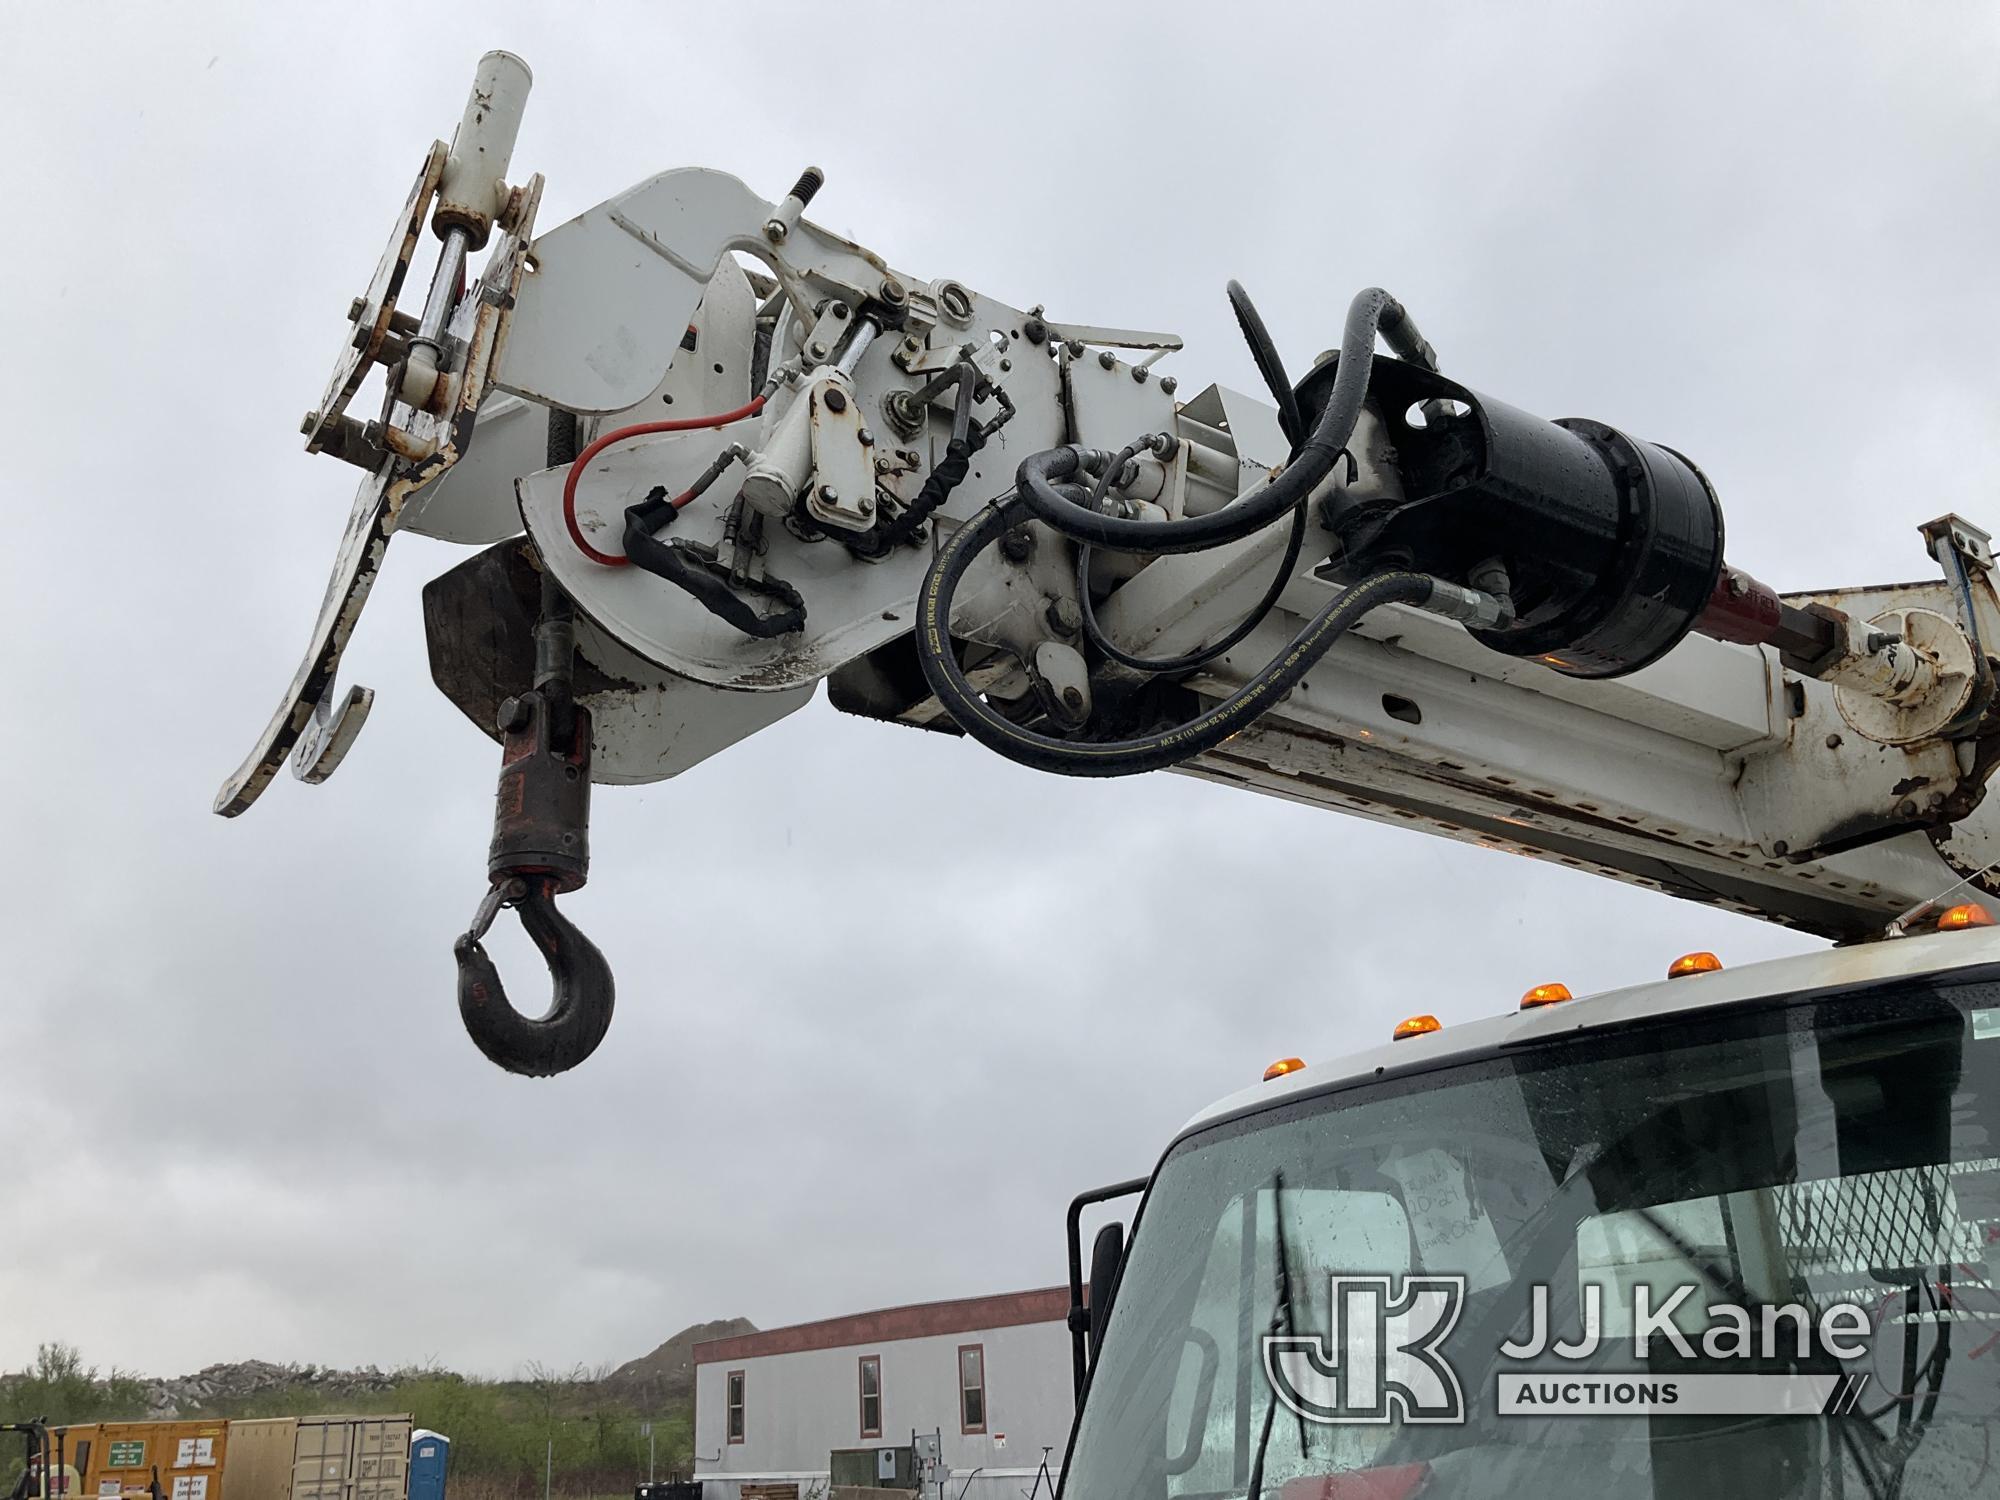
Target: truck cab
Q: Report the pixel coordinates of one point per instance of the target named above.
(1722, 1234)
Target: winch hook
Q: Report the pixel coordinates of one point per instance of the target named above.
(581, 1013)
(541, 849)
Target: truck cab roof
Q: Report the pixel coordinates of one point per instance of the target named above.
(1833, 969)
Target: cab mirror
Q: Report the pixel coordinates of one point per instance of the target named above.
(1107, 1256)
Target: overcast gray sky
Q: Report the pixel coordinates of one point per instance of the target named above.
(240, 1116)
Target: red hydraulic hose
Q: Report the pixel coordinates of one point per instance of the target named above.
(619, 435)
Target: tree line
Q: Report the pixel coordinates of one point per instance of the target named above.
(566, 1428)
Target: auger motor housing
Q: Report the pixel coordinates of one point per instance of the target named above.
(1610, 547)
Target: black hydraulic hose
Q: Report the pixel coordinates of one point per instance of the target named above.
(966, 441)
(1150, 752)
(1264, 351)
(694, 567)
(1399, 331)
(1094, 633)
(1373, 312)
(1116, 467)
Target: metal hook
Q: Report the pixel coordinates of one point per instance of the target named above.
(538, 1046)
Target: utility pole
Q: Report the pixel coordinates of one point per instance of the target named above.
(647, 1429)
(549, 1468)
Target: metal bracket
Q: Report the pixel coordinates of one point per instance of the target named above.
(331, 734)
(841, 492)
(377, 507)
(379, 330)
(1961, 550)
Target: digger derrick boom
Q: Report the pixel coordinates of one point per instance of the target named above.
(715, 455)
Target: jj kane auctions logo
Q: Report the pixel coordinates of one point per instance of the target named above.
(1383, 1358)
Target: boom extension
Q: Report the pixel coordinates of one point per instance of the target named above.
(723, 455)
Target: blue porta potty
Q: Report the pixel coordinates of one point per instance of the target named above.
(430, 1457)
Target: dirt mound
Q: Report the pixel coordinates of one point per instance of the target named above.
(666, 1376)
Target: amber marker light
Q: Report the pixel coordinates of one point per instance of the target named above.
(1693, 963)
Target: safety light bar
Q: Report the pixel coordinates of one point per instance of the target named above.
(1283, 1066)
(1417, 1026)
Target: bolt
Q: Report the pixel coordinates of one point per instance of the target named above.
(1106, 358)
(1169, 384)
(1833, 742)
(836, 399)
(866, 506)
(1738, 585)
(1064, 617)
(1006, 365)
(1018, 545)
(829, 494)
(883, 466)
(1035, 330)
(356, 308)
(1139, 373)
(311, 421)
(1072, 697)
(891, 292)
(1907, 808)
(514, 715)
(818, 350)
(569, 839)
(866, 436)
(1935, 801)
(1881, 640)
(1075, 347)
(911, 346)
(1781, 848)
(840, 311)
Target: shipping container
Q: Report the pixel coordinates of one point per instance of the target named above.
(166, 1460)
(350, 1458)
(275, 1458)
(259, 1466)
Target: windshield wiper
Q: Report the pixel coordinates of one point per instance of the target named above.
(1282, 1313)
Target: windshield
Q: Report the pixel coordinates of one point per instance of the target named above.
(1734, 1253)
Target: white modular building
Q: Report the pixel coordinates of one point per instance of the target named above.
(937, 1398)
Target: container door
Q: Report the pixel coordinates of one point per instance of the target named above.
(319, 1460)
(381, 1459)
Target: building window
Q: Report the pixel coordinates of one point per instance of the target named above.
(733, 1403)
(971, 1387)
(871, 1395)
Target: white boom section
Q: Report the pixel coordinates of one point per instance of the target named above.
(1714, 775)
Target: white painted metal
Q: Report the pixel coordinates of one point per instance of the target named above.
(1714, 773)
(655, 724)
(473, 502)
(1690, 997)
(600, 320)
(852, 606)
(475, 172)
